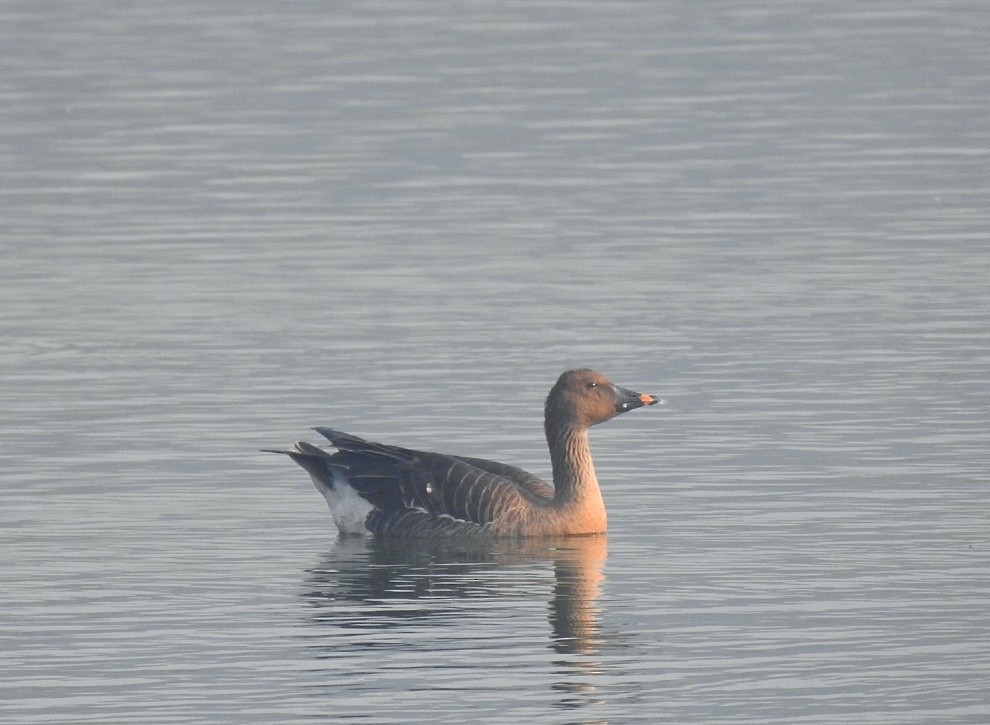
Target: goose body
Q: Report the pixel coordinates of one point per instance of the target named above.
(398, 492)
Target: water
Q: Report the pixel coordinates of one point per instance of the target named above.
(223, 223)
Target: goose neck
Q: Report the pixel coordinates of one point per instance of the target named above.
(573, 470)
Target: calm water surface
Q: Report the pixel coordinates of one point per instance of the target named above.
(223, 223)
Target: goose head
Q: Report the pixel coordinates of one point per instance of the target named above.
(582, 398)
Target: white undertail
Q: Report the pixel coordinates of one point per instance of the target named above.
(348, 510)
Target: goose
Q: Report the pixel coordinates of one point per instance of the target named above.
(400, 493)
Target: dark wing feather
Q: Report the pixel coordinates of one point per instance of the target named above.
(390, 478)
(425, 493)
(524, 479)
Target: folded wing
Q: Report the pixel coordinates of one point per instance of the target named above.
(416, 493)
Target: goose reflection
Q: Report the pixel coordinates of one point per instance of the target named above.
(369, 584)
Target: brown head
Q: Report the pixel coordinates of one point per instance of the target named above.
(582, 398)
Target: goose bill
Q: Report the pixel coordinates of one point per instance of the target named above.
(629, 400)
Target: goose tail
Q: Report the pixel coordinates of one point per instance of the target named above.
(348, 508)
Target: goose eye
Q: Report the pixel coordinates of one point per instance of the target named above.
(592, 385)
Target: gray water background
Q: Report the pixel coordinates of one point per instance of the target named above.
(222, 223)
